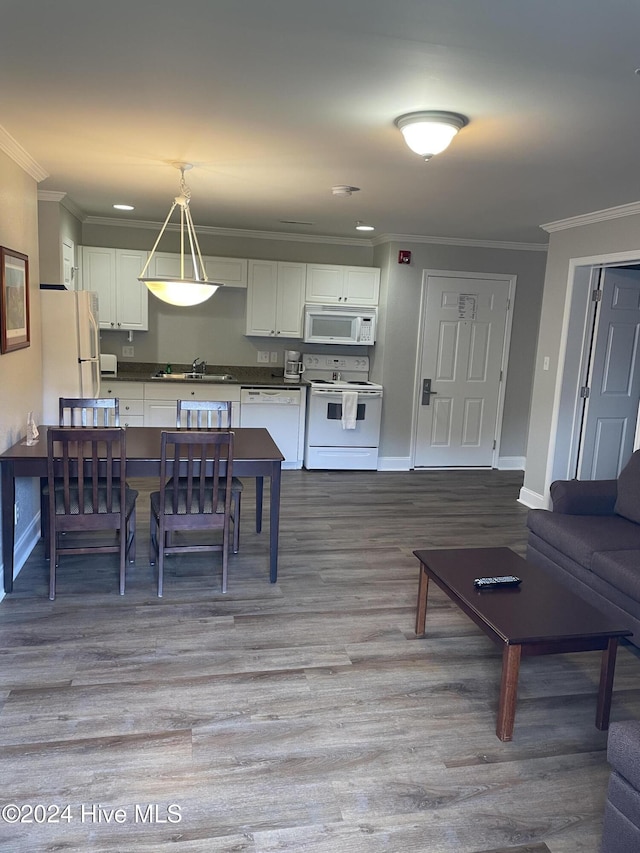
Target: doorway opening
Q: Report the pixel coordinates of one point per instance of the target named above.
(588, 353)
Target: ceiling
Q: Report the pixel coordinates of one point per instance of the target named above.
(277, 101)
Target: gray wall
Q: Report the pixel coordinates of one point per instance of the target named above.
(396, 355)
(21, 371)
(55, 223)
(617, 235)
(215, 330)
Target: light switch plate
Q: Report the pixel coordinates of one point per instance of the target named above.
(274, 358)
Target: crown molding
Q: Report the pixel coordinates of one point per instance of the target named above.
(21, 156)
(229, 232)
(590, 218)
(50, 195)
(314, 238)
(461, 241)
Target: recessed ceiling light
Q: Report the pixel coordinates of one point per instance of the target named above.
(344, 190)
(360, 226)
(124, 207)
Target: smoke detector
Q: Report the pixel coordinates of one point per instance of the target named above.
(344, 190)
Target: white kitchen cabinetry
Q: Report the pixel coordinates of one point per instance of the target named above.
(330, 284)
(113, 275)
(232, 272)
(130, 400)
(160, 400)
(275, 299)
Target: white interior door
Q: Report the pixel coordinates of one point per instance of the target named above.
(611, 407)
(464, 332)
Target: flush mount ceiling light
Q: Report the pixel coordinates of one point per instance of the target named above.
(185, 290)
(360, 226)
(430, 132)
(123, 207)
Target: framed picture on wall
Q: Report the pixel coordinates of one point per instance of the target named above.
(14, 300)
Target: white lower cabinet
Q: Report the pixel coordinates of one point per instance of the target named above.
(130, 400)
(154, 403)
(160, 400)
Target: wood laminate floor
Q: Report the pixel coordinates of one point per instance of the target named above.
(300, 716)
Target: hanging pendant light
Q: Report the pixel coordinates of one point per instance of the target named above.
(184, 290)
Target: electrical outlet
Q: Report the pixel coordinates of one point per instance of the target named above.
(263, 357)
(127, 352)
(274, 358)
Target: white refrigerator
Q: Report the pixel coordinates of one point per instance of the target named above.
(70, 348)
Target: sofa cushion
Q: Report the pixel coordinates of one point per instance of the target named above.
(578, 536)
(628, 498)
(621, 569)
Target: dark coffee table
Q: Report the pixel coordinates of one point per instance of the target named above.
(539, 617)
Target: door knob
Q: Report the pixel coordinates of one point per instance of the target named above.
(427, 392)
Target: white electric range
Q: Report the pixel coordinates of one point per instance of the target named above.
(344, 411)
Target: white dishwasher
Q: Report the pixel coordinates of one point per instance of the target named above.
(281, 411)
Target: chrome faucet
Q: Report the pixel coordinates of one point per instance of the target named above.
(198, 366)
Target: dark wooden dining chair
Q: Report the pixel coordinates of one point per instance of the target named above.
(207, 414)
(203, 414)
(88, 494)
(89, 411)
(198, 499)
(79, 412)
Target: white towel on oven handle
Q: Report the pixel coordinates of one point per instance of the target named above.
(349, 409)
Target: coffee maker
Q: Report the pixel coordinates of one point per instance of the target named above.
(293, 366)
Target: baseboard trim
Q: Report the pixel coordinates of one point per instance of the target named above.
(23, 548)
(394, 463)
(511, 463)
(532, 499)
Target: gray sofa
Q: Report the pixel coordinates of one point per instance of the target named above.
(621, 827)
(591, 542)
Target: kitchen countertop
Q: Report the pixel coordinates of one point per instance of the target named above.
(247, 376)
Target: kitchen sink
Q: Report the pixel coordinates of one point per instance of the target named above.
(209, 377)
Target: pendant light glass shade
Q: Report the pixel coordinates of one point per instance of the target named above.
(430, 132)
(180, 291)
(185, 290)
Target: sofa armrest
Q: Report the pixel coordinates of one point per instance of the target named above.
(623, 750)
(584, 497)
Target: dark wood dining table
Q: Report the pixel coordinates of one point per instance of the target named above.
(256, 455)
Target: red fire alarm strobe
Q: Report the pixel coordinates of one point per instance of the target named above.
(404, 257)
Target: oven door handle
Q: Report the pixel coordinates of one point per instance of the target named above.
(325, 391)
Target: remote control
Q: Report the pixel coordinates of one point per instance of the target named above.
(492, 583)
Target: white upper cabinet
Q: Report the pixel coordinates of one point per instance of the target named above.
(113, 275)
(275, 299)
(331, 284)
(132, 297)
(232, 272)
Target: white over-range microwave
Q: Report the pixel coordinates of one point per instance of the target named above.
(339, 324)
